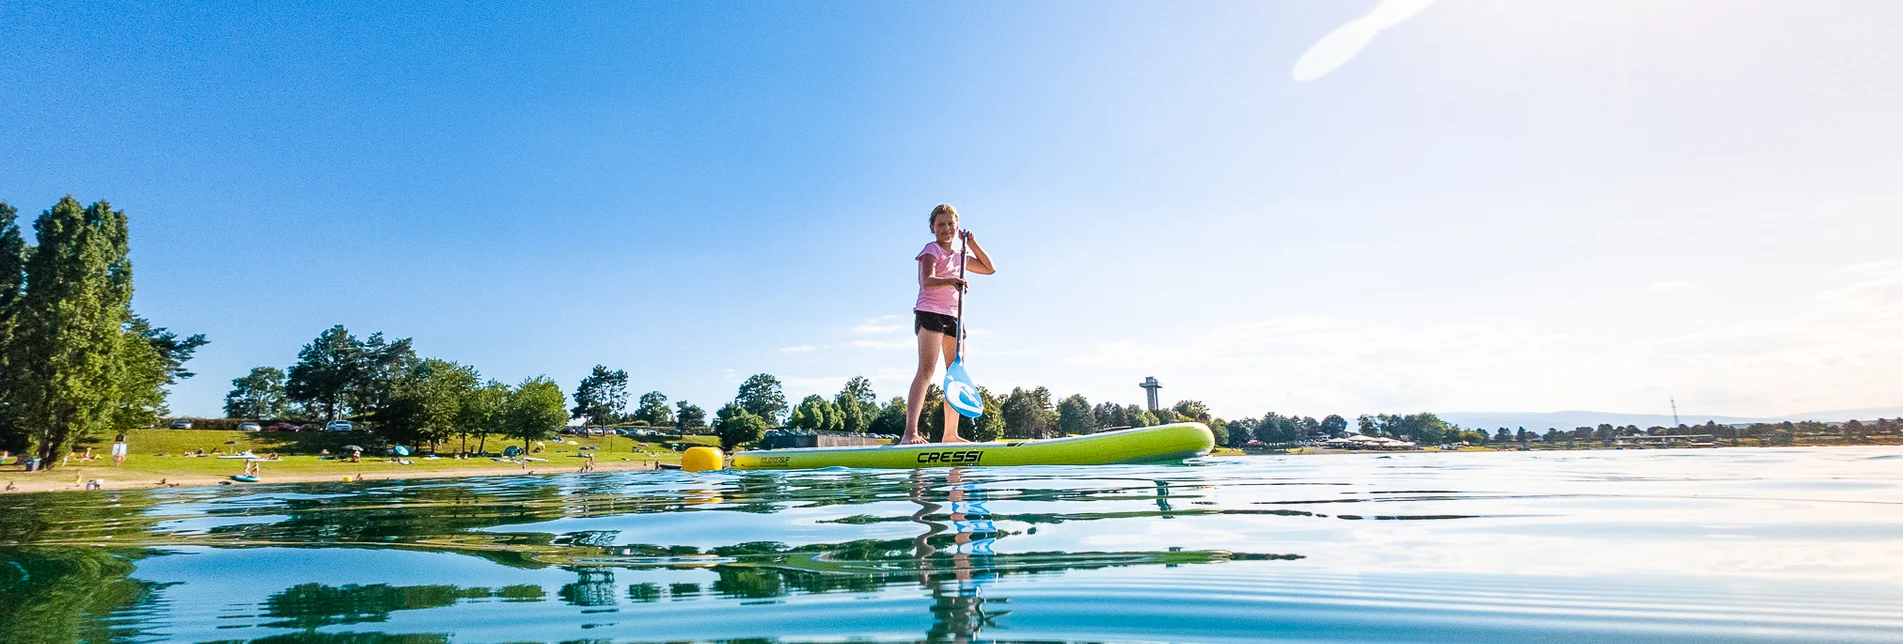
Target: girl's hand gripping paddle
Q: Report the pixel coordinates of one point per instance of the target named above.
(959, 392)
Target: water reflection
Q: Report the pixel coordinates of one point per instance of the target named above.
(1496, 549)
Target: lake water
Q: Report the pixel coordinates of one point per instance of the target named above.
(1727, 545)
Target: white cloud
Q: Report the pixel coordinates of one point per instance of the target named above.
(1348, 40)
(880, 325)
(1671, 285)
(798, 349)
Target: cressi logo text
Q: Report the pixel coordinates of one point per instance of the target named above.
(960, 457)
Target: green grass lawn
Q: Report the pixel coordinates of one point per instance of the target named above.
(157, 452)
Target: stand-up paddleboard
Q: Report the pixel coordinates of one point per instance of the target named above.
(1140, 445)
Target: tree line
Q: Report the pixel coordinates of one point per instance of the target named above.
(75, 360)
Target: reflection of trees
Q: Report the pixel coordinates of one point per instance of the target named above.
(309, 606)
(65, 594)
(314, 637)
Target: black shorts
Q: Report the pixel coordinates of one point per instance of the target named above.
(929, 321)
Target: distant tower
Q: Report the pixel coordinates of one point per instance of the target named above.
(1675, 422)
(1150, 385)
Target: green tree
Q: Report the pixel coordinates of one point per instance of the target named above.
(484, 412)
(1335, 425)
(13, 252)
(1074, 416)
(1135, 416)
(1219, 429)
(535, 409)
(689, 416)
(1109, 415)
(380, 364)
(1193, 410)
(858, 405)
(654, 410)
(601, 397)
(259, 394)
(736, 426)
(153, 359)
(64, 356)
(761, 396)
(810, 414)
(1028, 413)
(891, 418)
(425, 405)
(326, 370)
(988, 426)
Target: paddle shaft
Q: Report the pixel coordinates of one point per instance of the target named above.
(964, 247)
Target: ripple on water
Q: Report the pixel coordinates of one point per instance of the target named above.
(1678, 546)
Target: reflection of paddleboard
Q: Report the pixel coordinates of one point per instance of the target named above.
(244, 478)
(1140, 445)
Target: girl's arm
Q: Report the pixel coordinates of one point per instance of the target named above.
(926, 278)
(983, 265)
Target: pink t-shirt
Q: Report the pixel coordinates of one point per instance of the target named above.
(938, 299)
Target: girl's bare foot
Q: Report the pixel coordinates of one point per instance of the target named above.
(954, 438)
(912, 439)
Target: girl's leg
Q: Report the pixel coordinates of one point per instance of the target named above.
(949, 346)
(928, 349)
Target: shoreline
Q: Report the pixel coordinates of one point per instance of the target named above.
(74, 479)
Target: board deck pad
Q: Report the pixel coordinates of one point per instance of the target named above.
(1162, 443)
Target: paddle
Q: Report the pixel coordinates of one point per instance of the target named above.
(959, 391)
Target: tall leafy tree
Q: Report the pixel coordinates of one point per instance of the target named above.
(380, 365)
(761, 396)
(689, 416)
(858, 405)
(1138, 416)
(601, 397)
(535, 409)
(1109, 415)
(1335, 425)
(326, 371)
(1192, 410)
(736, 426)
(153, 359)
(259, 394)
(654, 409)
(1027, 413)
(989, 426)
(891, 418)
(1074, 416)
(425, 404)
(13, 252)
(484, 412)
(810, 414)
(64, 358)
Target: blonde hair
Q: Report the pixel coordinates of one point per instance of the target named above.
(941, 209)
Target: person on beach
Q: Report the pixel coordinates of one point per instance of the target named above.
(119, 450)
(935, 315)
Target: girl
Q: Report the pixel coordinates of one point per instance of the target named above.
(935, 318)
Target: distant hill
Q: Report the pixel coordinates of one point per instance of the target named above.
(1579, 418)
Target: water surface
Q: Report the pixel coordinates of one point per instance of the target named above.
(1730, 545)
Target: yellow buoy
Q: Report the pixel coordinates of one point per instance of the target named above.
(703, 458)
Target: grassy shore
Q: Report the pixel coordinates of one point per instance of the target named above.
(156, 458)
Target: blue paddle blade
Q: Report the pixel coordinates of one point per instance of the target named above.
(959, 391)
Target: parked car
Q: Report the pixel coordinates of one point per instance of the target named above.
(249, 427)
(337, 426)
(282, 427)
(182, 423)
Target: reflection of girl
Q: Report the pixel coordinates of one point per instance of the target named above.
(935, 320)
(957, 609)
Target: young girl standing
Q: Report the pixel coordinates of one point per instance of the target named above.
(935, 316)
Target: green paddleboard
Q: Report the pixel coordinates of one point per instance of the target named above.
(1140, 445)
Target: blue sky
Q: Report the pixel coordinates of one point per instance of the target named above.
(1492, 206)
